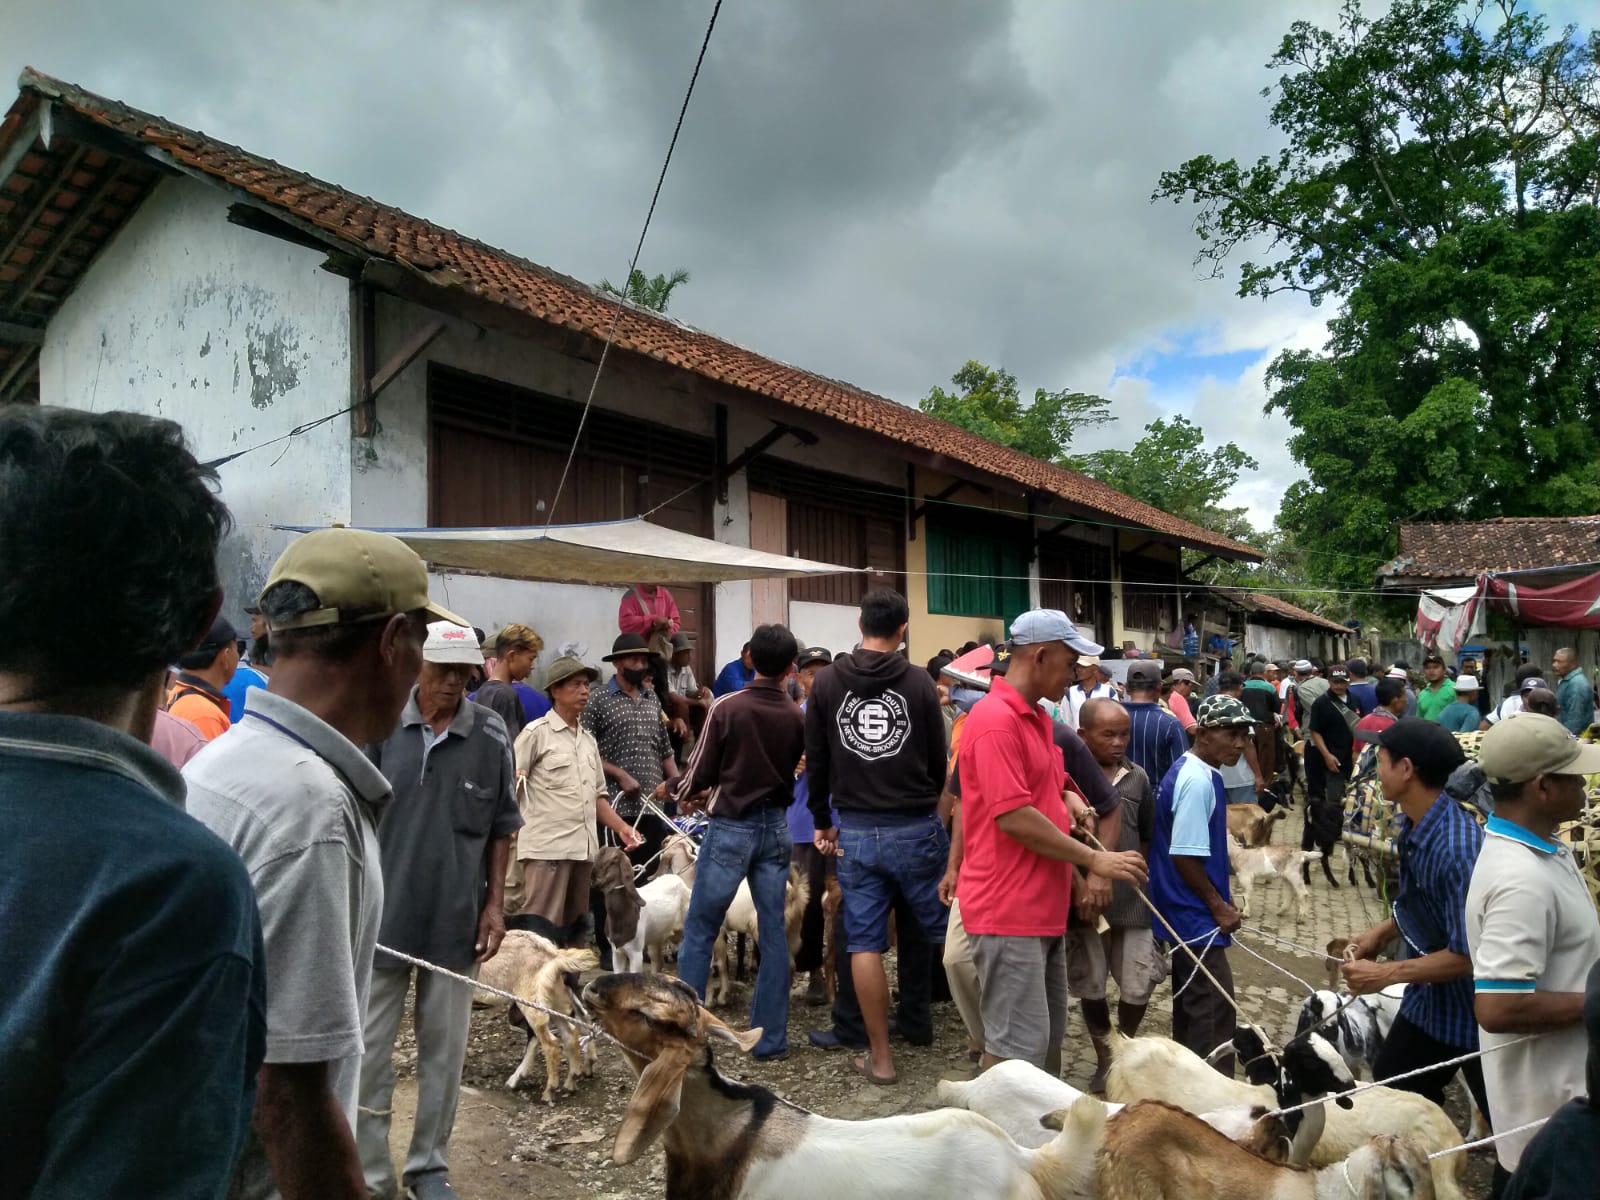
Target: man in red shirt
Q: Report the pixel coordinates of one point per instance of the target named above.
(1015, 885)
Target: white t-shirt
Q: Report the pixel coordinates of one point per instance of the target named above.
(1072, 703)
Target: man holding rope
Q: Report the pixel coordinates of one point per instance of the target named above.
(1439, 843)
(1189, 878)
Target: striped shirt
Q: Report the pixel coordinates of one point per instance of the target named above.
(1437, 855)
(1155, 739)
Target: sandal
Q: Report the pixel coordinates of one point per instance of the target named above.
(863, 1067)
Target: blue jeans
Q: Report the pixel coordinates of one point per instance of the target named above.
(888, 858)
(756, 848)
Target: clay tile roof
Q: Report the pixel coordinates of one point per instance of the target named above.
(1291, 612)
(449, 259)
(1462, 549)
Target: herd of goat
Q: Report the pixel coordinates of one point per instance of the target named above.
(1171, 1127)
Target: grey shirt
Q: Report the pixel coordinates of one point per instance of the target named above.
(298, 803)
(453, 794)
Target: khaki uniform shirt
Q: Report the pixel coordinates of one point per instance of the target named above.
(559, 777)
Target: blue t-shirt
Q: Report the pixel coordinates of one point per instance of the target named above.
(1365, 697)
(132, 977)
(243, 680)
(534, 702)
(1191, 819)
(733, 678)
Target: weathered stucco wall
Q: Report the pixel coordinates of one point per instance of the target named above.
(239, 338)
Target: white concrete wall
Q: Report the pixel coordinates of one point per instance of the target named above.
(834, 627)
(237, 336)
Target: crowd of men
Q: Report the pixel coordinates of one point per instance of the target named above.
(192, 998)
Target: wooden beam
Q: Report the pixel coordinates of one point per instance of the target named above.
(41, 204)
(719, 416)
(1140, 548)
(911, 490)
(258, 220)
(64, 237)
(1187, 573)
(403, 357)
(760, 446)
(31, 335)
(16, 373)
(1045, 534)
(22, 144)
(921, 510)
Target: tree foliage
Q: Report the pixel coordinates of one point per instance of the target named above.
(647, 291)
(987, 402)
(1171, 469)
(1440, 185)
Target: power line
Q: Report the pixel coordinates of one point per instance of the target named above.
(633, 264)
(282, 437)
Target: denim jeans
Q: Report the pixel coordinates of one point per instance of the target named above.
(885, 859)
(756, 848)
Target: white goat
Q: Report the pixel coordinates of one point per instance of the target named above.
(1154, 1151)
(734, 1141)
(1149, 1068)
(666, 900)
(1265, 862)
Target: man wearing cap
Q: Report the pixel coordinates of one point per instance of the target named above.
(689, 696)
(132, 977)
(1431, 700)
(1438, 845)
(1461, 715)
(196, 695)
(1531, 926)
(1189, 877)
(1527, 678)
(506, 692)
(626, 720)
(1330, 760)
(1244, 780)
(1156, 739)
(561, 791)
(1093, 683)
(746, 761)
(289, 789)
(446, 843)
(1015, 881)
(1573, 692)
(1180, 700)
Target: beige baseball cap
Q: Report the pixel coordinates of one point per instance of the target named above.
(358, 576)
(1529, 744)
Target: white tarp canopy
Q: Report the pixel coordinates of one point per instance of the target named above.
(630, 551)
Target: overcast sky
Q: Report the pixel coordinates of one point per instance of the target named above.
(876, 190)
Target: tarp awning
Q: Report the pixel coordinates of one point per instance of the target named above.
(630, 551)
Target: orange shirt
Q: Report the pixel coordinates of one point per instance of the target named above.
(209, 716)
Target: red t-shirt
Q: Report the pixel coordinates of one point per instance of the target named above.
(1008, 760)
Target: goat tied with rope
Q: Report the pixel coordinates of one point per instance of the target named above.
(1149, 1068)
(534, 968)
(1268, 862)
(1155, 1151)
(726, 1140)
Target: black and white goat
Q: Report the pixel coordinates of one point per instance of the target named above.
(1356, 1025)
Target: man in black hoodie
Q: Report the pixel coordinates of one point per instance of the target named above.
(875, 752)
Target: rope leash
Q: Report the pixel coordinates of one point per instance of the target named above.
(1490, 1140)
(1310, 991)
(1377, 1083)
(592, 1031)
(1211, 938)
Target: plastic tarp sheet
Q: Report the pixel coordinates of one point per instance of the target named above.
(607, 552)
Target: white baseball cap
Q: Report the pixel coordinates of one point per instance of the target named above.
(448, 643)
(1466, 683)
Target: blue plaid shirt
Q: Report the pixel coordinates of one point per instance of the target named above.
(1437, 855)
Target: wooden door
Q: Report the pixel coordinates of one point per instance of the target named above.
(769, 531)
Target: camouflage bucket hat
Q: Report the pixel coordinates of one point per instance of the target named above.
(1222, 712)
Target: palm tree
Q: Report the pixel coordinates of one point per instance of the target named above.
(652, 293)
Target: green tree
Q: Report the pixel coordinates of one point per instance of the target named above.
(987, 402)
(652, 292)
(1440, 186)
(1171, 469)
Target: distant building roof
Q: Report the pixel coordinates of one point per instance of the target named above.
(355, 225)
(1439, 553)
(1273, 606)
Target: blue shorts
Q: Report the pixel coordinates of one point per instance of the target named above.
(883, 858)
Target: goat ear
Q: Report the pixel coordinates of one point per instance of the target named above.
(1056, 1120)
(713, 1027)
(655, 1102)
(1344, 1102)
